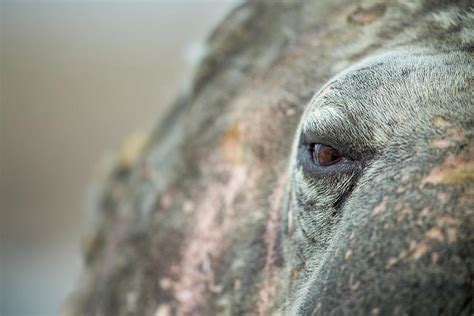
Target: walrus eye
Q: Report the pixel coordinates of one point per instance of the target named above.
(324, 155)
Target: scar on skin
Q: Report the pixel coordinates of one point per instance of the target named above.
(455, 169)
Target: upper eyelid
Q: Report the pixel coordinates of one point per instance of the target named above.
(323, 123)
(330, 125)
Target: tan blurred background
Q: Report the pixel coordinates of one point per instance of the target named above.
(76, 78)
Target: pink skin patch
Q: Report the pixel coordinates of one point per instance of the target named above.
(268, 289)
(324, 91)
(110, 252)
(197, 280)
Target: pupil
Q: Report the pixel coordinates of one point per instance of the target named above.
(325, 155)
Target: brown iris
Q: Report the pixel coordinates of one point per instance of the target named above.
(324, 155)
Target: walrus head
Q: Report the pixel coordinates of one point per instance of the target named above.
(255, 197)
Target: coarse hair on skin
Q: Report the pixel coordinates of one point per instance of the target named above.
(381, 112)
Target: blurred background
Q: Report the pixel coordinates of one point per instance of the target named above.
(76, 78)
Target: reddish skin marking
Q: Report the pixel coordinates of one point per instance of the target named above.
(325, 91)
(268, 289)
(206, 243)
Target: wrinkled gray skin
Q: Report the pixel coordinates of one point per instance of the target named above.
(224, 212)
(381, 114)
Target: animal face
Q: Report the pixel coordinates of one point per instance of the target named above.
(250, 200)
(368, 217)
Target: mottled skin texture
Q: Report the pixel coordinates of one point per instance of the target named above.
(376, 233)
(223, 211)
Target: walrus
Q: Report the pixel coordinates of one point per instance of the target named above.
(321, 164)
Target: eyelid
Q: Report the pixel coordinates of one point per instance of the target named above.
(336, 137)
(312, 169)
(324, 119)
(331, 140)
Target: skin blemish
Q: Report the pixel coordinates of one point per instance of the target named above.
(290, 218)
(391, 262)
(295, 272)
(196, 274)
(440, 122)
(452, 234)
(415, 251)
(436, 234)
(166, 200)
(318, 97)
(353, 285)
(268, 290)
(232, 145)
(188, 207)
(453, 136)
(132, 148)
(290, 112)
(441, 143)
(425, 212)
(467, 197)
(380, 208)
(405, 212)
(325, 91)
(450, 226)
(348, 254)
(163, 310)
(442, 197)
(454, 170)
(418, 249)
(362, 16)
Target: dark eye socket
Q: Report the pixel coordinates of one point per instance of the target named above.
(324, 155)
